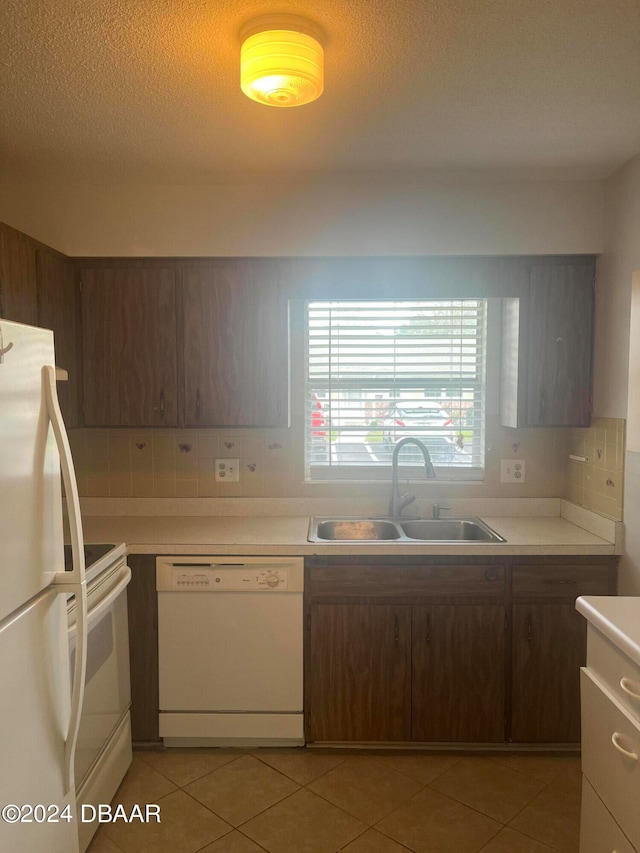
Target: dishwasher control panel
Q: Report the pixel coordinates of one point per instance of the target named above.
(227, 578)
(237, 574)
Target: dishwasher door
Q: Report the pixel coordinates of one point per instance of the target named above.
(230, 637)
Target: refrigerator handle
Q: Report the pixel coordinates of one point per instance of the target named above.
(68, 478)
(74, 582)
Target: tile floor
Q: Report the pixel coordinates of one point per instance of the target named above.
(310, 801)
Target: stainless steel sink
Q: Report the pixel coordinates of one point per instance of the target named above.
(450, 530)
(399, 531)
(350, 529)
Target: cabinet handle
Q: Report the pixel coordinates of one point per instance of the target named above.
(162, 402)
(529, 631)
(625, 684)
(198, 404)
(615, 740)
(559, 581)
(396, 630)
(543, 404)
(428, 635)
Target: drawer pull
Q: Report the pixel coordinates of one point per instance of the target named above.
(559, 581)
(625, 684)
(615, 740)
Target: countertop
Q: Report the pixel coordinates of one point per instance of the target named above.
(617, 617)
(287, 535)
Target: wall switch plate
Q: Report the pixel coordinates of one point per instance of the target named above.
(512, 470)
(227, 470)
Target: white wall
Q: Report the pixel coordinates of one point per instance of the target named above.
(370, 217)
(619, 260)
(615, 361)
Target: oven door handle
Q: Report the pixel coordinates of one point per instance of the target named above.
(107, 601)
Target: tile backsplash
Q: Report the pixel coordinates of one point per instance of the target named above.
(181, 463)
(597, 483)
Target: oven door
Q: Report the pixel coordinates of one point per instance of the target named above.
(107, 693)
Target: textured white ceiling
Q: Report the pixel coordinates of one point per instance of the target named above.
(147, 90)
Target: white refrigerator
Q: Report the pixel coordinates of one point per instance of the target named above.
(40, 698)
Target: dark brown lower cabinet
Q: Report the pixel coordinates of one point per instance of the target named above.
(549, 646)
(361, 686)
(437, 651)
(457, 679)
(142, 604)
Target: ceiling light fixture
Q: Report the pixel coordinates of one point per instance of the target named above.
(281, 60)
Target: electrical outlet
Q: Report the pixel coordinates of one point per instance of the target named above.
(512, 470)
(227, 470)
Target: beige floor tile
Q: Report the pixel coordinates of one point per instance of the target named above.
(553, 817)
(569, 778)
(301, 765)
(365, 787)
(142, 784)
(185, 767)
(234, 842)
(422, 768)
(241, 789)
(510, 841)
(433, 823)
(544, 768)
(374, 842)
(490, 788)
(185, 827)
(101, 843)
(303, 823)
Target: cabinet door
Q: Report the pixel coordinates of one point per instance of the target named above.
(59, 310)
(18, 300)
(358, 674)
(458, 673)
(560, 335)
(549, 647)
(129, 347)
(236, 345)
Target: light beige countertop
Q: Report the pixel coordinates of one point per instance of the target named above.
(287, 535)
(617, 617)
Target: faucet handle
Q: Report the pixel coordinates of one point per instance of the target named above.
(405, 500)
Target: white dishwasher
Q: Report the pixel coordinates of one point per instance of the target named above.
(230, 650)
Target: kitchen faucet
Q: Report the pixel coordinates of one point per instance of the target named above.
(397, 503)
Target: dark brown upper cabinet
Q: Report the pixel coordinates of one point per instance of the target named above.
(129, 346)
(18, 300)
(547, 339)
(236, 344)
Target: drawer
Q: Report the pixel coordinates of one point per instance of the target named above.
(450, 581)
(599, 833)
(614, 776)
(619, 674)
(560, 581)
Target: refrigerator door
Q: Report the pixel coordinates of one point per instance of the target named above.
(35, 709)
(31, 533)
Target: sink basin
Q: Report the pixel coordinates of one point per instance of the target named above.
(359, 529)
(400, 531)
(449, 530)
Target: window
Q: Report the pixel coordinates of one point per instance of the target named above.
(377, 372)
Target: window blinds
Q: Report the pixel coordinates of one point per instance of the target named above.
(381, 371)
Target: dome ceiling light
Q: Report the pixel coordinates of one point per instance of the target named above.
(281, 60)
